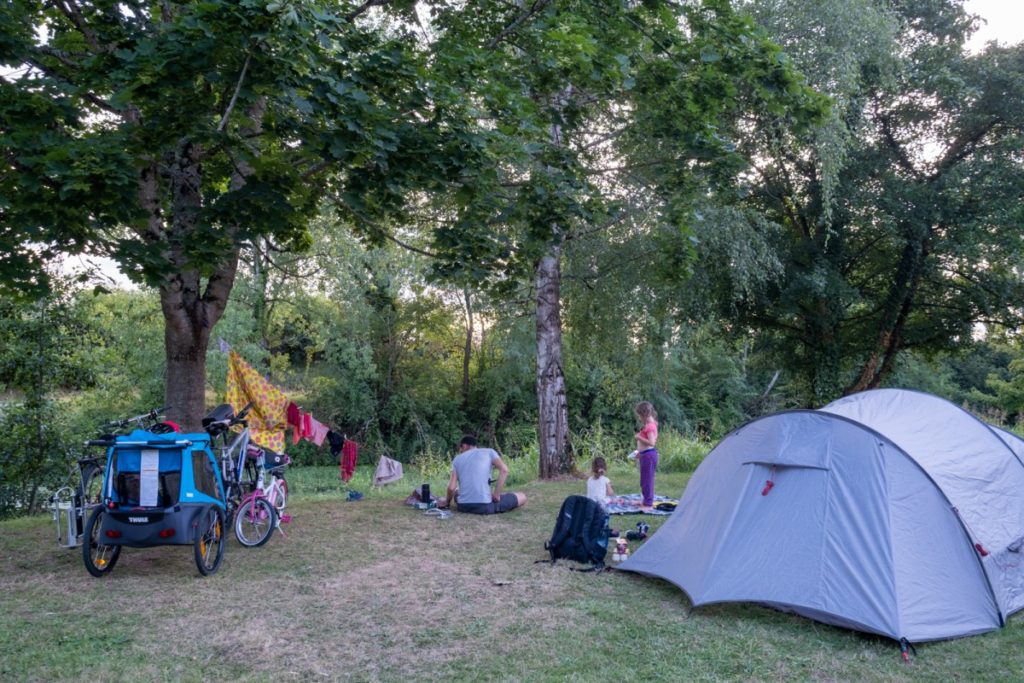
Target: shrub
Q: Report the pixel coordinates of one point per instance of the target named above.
(680, 453)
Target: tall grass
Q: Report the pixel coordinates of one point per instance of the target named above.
(680, 453)
(520, 451)
(677, 452)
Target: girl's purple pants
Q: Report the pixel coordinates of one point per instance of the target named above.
(648, 463)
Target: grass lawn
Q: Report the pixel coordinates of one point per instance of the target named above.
(373, 590)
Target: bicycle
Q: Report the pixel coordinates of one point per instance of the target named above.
(271, 481)
(71, 504)
(249, 512)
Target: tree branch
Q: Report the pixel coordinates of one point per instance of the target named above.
(365, 7)
(74, 14)
(901, 156)
(963, 146)
(234, 97)
(388, 236)
(516, 23)
(84, 94)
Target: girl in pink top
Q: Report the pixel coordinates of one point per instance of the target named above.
(647, 454)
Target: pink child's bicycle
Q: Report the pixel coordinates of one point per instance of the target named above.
(249, 511)
(270, 481)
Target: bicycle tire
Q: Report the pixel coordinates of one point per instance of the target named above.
(208, 544)
(88, 494)
(99, 559)
(255, 520)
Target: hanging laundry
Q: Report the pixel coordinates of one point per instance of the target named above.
(336, 442)
(318, 431)
(388, 471)
(349, 454)
(295, 421)
(307, 425)
(268, 417)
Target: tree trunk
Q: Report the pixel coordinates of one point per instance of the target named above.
(467, 351)
(190, 310)
(185, 387)
(553, 413)
(188, 323)
(899, 304)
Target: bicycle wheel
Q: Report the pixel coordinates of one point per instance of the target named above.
(208, 544)
(92, 487)
(99, 559)
(255, 520)
(88, 493)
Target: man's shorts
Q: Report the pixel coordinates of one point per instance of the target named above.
(508, 501)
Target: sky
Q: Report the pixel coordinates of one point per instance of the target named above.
(1005, 22)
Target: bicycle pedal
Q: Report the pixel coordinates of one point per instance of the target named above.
(285, 519)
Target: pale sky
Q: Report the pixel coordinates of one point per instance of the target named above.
(1005, 22)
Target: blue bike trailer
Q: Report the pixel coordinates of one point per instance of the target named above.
(156, 486)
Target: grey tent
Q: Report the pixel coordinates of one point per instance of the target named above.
(889, 511)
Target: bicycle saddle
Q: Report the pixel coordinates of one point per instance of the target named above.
(219, 414)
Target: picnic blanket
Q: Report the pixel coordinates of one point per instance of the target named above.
(629, 504)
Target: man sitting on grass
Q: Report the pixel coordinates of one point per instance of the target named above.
(470, 483)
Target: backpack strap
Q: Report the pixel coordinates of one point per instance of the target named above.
(594, 532)
(599, 566)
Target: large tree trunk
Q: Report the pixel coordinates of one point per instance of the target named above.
(188, 323)
(553, 413)
(190, 310)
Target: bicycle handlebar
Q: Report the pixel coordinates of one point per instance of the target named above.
(242, 413)
(151, 415)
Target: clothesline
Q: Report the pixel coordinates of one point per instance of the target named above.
(273, 412)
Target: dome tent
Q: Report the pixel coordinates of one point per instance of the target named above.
(889, 511)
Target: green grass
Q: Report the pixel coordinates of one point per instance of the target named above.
(373, 590)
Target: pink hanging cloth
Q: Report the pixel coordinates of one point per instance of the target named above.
(318, 431)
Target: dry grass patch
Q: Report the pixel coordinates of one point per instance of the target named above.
(376, 591)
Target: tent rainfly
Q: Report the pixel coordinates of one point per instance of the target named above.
(889, 511)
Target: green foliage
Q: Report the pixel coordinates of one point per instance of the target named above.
(680, 453)
(39, 354)
(897, 220)
(1005, 397)
(35, 456)
(431, 463)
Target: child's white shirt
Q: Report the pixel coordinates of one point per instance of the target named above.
(597, 489)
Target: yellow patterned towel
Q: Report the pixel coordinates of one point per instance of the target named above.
(268, 419)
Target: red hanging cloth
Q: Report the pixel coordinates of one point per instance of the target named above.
(349, 454)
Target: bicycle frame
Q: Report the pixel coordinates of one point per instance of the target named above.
(232, 458)
(270, 488)
(68, 507)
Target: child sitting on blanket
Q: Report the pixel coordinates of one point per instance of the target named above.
(599, 487)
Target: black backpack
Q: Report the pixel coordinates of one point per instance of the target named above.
(581, 532)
